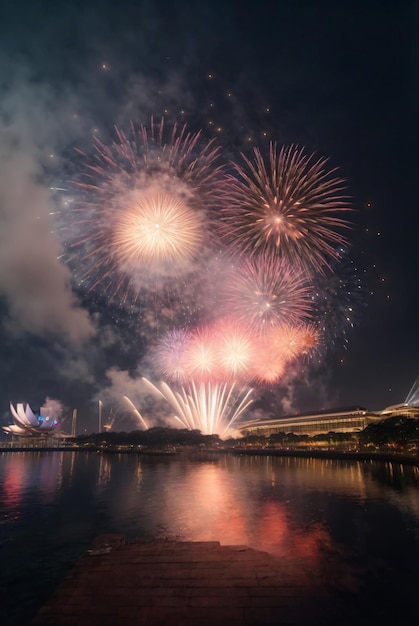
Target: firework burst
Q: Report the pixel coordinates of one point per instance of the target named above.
(235, 349)
(143, 209)
(290, 206)
(293, 341)
(170, 355)
(268, 366)
(265, 291)
(201, 356)
(149, 215)
(156, 231)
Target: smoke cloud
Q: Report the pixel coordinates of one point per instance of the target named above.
(35, 283)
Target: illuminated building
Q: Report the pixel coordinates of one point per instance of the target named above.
(351, 419)
(27, 424)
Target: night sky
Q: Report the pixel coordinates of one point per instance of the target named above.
(339, 78)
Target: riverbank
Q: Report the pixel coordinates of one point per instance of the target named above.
(386, 457)
(332, 454)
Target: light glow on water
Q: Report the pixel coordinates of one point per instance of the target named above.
(327, 518)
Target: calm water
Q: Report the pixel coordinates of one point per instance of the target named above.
(353, 525)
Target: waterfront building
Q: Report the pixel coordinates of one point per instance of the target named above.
(349, 419)
(28, 424)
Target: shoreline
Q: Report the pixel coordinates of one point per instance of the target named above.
(385, 457)
(334, 454)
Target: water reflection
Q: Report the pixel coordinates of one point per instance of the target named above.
(352, 525)
(104, 475)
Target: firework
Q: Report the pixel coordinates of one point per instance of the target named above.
(135, 411)
(151, 212)
(265, 291)
(156, 231)
(293, 341)
(235, 349)
(308, 338)
(290, 206)
(143, 209)
(201, 356)
(112, 417)
(229, 351)
(412, 398)
(338, 298)
(213, 353)
(268, 365)
(170, 354)
(210, 408)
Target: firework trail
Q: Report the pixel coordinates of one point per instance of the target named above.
(291, 206)
(112, 417)
(143, 209)
(210, 408)
(135, 411)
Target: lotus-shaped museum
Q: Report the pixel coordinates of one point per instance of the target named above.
(27, 424)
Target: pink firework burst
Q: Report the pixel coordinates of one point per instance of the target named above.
(293, 341)
(268, 365)
(290, 205)
(287, 340)
(201, 359)
(235, 349)
(309, 338)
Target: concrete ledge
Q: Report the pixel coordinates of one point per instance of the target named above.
(170, 583)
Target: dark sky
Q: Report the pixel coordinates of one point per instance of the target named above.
(339, 78)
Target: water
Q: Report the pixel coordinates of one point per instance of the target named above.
(352, 525)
